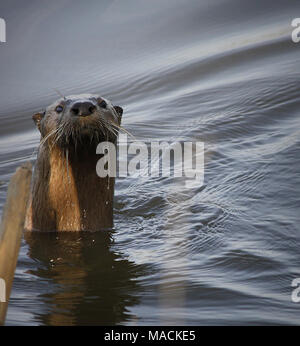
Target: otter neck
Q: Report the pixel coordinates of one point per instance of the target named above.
(79, 199)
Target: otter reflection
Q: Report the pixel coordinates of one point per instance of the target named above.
(88, 283)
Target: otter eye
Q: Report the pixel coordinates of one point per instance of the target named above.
(59, 109)
(102, 103)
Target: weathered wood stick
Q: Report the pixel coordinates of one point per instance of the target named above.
(11, 230)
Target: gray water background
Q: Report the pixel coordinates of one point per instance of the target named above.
(223, 72)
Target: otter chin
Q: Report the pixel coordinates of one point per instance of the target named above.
(67, 194)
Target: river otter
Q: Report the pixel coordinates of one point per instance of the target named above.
(67, 194)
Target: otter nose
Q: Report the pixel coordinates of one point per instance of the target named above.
(83, 109)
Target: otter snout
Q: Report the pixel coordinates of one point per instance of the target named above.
(83, 109)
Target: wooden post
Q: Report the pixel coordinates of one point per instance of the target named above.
(11, 230)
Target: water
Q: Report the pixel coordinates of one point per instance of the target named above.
(224, 72)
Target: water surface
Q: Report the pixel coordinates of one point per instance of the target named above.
(224, 72)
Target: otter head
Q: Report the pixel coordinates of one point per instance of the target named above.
(79, 120)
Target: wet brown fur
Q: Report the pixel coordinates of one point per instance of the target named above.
(67, 193)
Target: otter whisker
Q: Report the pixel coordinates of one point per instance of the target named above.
(59, 93)
(119, 128)
(107, 126)
(44, 140)
(104, 128)
(57, 135)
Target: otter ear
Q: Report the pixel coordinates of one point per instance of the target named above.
(37, 117)
(119, 111)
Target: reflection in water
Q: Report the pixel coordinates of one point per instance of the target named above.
(88, 283)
